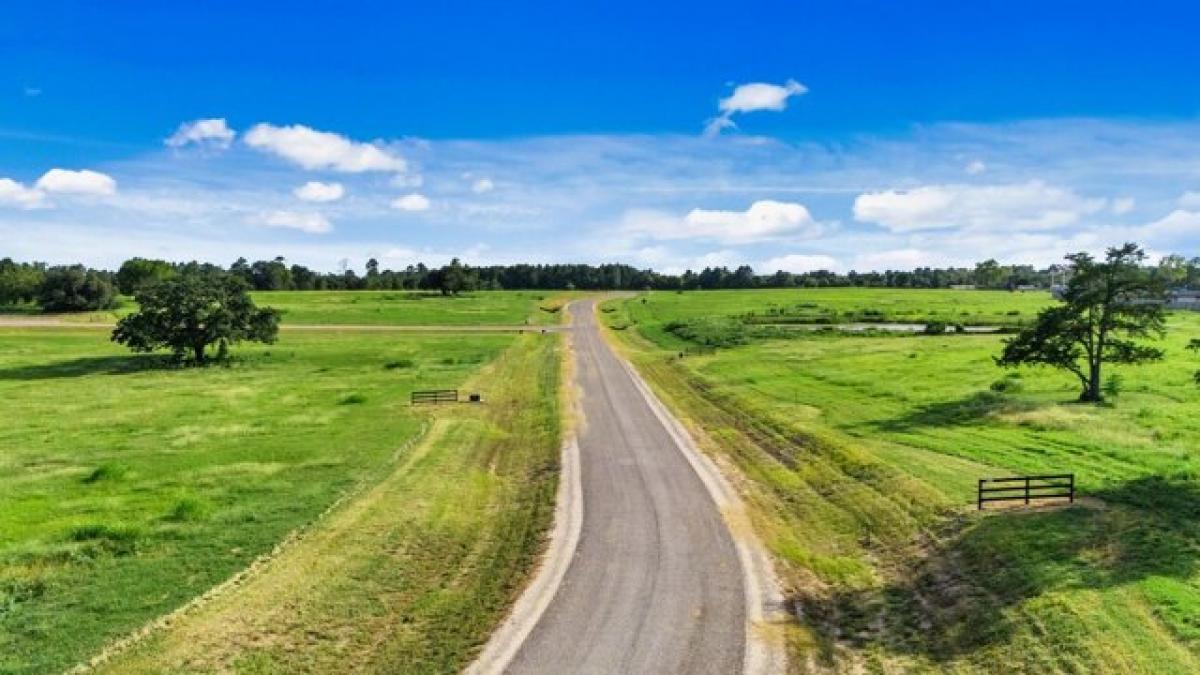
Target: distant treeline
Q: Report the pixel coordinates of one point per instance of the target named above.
(77, 288)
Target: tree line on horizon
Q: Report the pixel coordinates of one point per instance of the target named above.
(67, 288)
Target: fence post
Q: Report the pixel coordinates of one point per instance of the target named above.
(981, 482)
(1072, 495)
(1027, 490)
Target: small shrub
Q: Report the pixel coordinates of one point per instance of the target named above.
(1114, 384)
(105, 472)
(935, 328)
(352, 399)
(448, 361)
(14, 591)
(399, 363)
(712, 332)
(187, 510)
(1009, 384)
(115, 539)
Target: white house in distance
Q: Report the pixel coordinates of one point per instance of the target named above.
(1178, 298)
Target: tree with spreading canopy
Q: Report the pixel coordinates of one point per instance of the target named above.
(1106, 307)
(191, 312)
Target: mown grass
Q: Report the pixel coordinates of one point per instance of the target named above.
(412, 575)
(399, 308)
(655, 312)
(862, 455)
(128, 487)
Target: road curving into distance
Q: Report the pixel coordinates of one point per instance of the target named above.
(657, 582)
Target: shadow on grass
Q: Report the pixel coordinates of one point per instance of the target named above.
(959, 412)
(95, 365)
(964, 595)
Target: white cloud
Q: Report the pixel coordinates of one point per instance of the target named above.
(764, 219)
(313, 223)
(83, 182)
(483, 185)
(1190, 200)
(16, 194)
(1176, 225)
(1023, 206)
(1123, 205)
(975, 167)
(314, 149)
(212, 131)
(797, 263)
(753, 97)
(316, 191)
(411, 202)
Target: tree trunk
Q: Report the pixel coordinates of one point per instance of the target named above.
(1091, 393)
(198, 350)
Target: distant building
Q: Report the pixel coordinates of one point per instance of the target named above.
(1177, 298)
(1183, 298)
(962, 287)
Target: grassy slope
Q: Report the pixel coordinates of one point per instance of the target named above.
(126, 490)
(412, 576)
(404, 308)
(862, 454)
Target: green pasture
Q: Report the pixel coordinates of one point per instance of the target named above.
(404, 308)
(863, 454)
(128, 487)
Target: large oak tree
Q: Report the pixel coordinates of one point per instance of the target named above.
(192, 312)
(1107, 306)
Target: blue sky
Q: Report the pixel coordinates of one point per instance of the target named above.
(795, 135)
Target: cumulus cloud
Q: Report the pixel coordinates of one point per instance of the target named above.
(313, 223)
(17, 194)
(798, 263)
(83, 182)
(1025, 206)
(483, 185)
(763, 220)
(411, 202)
(212, 131)
(316, 191)
(975, 167)
(312, 149)
(753, 97)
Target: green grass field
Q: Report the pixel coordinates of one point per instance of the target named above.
(820, 305)
(401, 308)
(863, 452)
(128, 488)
